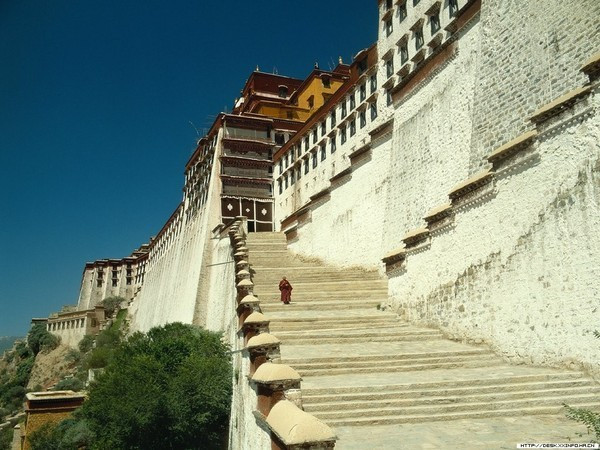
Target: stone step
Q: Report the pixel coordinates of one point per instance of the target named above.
(478, 397)
(362, 337)
(360, 420)
(370, 359)
(303, 278)
(324, 304)
(405, 366)
(277, 325)
(351, 294)
(433, 410)
(415, 392)
(470, 379)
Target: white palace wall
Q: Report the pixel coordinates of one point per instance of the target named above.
(517, 268)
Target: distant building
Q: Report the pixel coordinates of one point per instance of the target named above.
(48, 407)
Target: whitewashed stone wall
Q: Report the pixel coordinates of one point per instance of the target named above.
(405, 174)
(177, 274)
(519, 270)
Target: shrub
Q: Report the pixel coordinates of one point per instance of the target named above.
(86, 344)
(40, 339)
(111, 304)
(69, 384)
(169, 388)
(72, 356)
(6, 435)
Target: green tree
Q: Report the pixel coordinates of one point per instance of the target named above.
(111, 304)
(40, 339)
(169, 388)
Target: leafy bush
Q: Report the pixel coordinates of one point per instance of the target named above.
(6, 435)
(40, 339)
(86, 344)
(169, 388)
(111, 304)
(69, 384)
(73, 356)
(69, 434)
(589, 418)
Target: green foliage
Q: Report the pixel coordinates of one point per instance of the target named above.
(40, 339)
(70, 434)
(111, 304)
(86, 344)
(169, 388)
(69, 384)
(73, 356)
(6, 435)
(589, 418)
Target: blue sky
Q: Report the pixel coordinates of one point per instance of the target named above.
(96, 100)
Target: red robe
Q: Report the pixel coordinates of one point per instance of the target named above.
(286, 291)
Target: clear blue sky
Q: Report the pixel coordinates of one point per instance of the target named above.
(96, 98)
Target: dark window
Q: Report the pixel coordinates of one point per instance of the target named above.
(343, 135)
(280, 167)
(388, 95)
(389, 27)
(279, 138)
(373, 83)
(311, 102)
(314, 159)
(434, 20)
(373, 111)
(363, 92)
(403, 53)
(114, 283)
(333, 144)
(283, 91)
(99, 283)
(326, 82)
(332, 118)
(315, 136)
(352, 102)
(416, 2)
(306, 166)
(419, 38)
(128, 280)
(306, 143)
(362, 66)
(280, 185)
(402, 11)
(299, 173)
(453, 7)
(292, 177)
(285, 180)
(352, 127)
(362, 116)
(323, 152)
(389, 67)
(323, 128)
(388, 4)
(344, 109)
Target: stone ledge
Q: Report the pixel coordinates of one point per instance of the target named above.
(512, 147)
(395, 256)
(291, 229)
(382, 127)
(592, 67)
(559, 105)
(320, 194)
(342, 174)
(249, 300)
(438, 213)
(476, 181)
(413, 237)
(295, 427)
(355, 154)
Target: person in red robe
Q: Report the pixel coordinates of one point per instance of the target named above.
(286, 291)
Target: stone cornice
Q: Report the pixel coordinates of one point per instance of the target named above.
(476, 181)
(560, 104)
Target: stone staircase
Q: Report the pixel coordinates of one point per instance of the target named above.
(383, 383)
